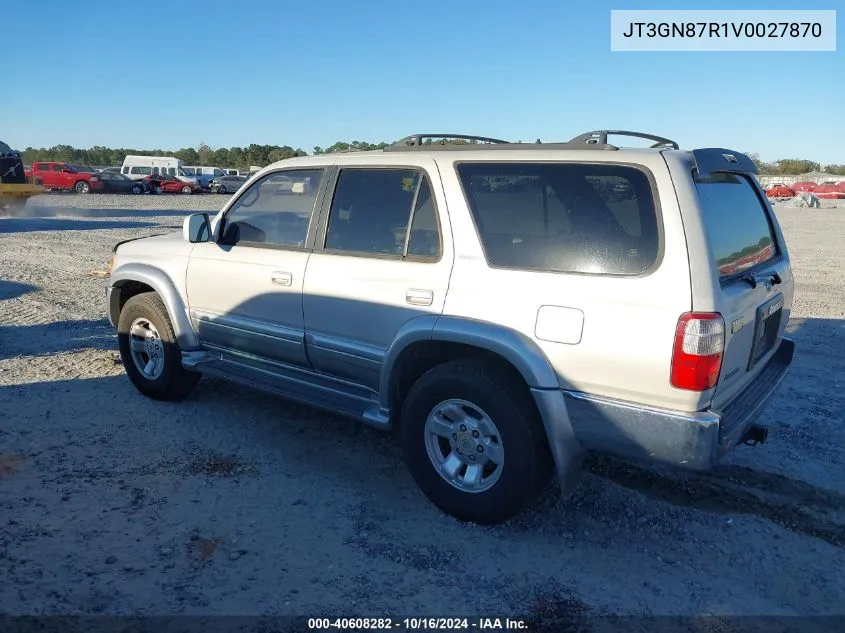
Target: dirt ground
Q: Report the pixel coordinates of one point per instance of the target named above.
(234, 502)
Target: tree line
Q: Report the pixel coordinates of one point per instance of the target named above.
(793, 166)
(261, 155)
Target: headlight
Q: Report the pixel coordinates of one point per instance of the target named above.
(111, 264)
(94, 179)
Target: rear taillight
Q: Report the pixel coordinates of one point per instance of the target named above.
(697, 356)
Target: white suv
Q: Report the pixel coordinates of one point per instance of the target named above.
(628, 301)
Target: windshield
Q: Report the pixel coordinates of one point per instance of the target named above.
(182, 172)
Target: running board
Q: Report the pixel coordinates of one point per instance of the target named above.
(301, 386)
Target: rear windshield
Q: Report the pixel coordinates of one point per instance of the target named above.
(736, 222)
(563, 217)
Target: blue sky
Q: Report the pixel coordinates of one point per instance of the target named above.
(310, 73)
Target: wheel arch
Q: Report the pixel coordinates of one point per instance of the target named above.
(129, 280)
(431, 340)
(474, 338)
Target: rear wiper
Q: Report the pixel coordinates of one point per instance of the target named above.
(768, 279)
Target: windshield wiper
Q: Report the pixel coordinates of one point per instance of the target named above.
(768, 279)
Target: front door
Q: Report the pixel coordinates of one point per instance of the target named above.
(245, 289)
(380, 262)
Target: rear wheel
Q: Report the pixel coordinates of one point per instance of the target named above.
(149, 351)
(82, 187)
(221, 189)
(474, 442)
(137, 189)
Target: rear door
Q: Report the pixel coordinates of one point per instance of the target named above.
(754, 289)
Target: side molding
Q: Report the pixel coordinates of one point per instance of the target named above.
(158, 280)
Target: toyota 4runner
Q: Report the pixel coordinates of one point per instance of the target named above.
(506, 307)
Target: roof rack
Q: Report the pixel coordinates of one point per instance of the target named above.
(417, 139)
(596, 140)
(599, 137)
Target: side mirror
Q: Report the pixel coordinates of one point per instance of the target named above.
(196, 228)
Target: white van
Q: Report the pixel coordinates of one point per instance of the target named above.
(139, 167)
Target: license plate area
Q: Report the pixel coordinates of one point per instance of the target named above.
(766, 328)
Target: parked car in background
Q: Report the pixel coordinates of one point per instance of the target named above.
(779, 191)
(140, 167)
(167, 184)
(110, 170)
(830, 190)
(118, 183)
(64, 176)
(803, 186)
(203, 174)
(227, 184)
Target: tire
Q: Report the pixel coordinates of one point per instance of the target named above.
(186, 189)
(82, 187)
(172, 381)
(525, 459)
(221, 189)
(137, 189)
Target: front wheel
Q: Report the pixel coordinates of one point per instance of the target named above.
(137, 189)
(148, 349)
(82, 187)
(474, 442)
(186, 189)
(221, 189)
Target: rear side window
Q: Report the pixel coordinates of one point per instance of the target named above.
(384, 212)
(737, 224)
(43, 167)
(144, 171)
(563, 217)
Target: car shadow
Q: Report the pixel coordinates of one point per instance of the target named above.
(29, 225)
(14, 289)
(44, 339)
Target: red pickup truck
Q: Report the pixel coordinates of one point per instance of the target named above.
(64, 176)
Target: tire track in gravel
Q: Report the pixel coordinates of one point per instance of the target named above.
(790, 503)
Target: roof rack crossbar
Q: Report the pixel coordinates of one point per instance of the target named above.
(417, 139)
(599, 137)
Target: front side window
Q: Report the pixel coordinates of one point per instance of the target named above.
(372, 209)
(563, 217)
(275, 211)
(58, 167)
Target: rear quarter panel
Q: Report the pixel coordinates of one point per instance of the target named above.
(623, 346)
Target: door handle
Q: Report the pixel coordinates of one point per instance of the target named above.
(281, 279)
(419, 297)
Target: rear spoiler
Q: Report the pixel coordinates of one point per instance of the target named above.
(711, 160)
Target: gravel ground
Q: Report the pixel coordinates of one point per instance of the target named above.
(234, 502)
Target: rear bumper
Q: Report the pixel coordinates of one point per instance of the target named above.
(695, 440)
